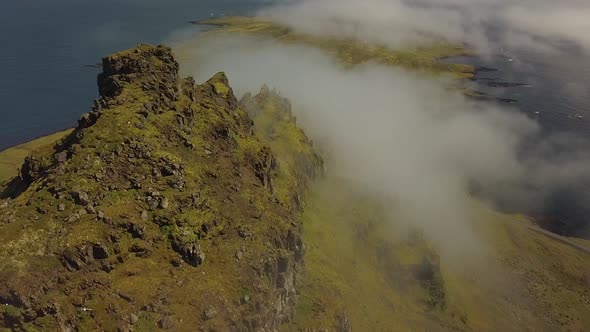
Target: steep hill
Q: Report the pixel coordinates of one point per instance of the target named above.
(162, 209)
(175, 206)
(366, 270)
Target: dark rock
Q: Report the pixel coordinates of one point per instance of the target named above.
(100, 251)
(244, 232)
(137, 231)
(497, 84)
(88, 119)
(245, 299)
(209, 313)
(73, 218)
(90, 209)
(138, 248)
(72, 260)
(176, 261)
(125, 296)
(283, 264)
(343, 323)
(31, 170)
(281, 280)
(81, 197)
(152, 203)
(153, 193)
(190, 252)
(61, 157)
(166, 323)
(485, 69)
(107, 266)
(115, 237)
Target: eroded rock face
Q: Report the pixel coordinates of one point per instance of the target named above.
(161, 205)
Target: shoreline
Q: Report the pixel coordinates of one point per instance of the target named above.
(13, 157)
(37, 137)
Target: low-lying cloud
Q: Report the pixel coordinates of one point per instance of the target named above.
(405, 136)
(487, 25)
(388, 130)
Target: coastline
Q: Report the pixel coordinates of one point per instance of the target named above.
(12, 158)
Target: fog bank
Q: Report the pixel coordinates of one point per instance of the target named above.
(388, 130)
(405, 136)
(486, 25)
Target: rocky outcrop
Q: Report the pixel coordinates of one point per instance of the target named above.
(277, 126)
(163, 209)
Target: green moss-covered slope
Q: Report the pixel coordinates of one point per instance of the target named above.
(12, 158)
(367, 271)
(161, 210)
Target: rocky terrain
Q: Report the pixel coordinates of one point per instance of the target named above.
(162, 210)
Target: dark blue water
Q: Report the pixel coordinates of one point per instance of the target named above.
(45, 45)
(555, 90)
(556, 94)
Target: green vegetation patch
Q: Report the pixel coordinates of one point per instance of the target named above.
(12, 158)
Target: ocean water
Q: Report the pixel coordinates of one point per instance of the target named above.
(555, 90)
(556, 94)
(45, 84)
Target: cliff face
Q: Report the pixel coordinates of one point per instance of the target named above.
(162, 209)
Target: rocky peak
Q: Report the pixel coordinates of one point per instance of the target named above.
(156, 64)
(162, 203)
(142, 59)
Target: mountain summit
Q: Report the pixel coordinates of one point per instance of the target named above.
(162, 209)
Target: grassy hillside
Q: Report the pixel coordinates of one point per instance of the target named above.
(367, 270)
(12, 158)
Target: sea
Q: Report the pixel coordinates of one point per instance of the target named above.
(49, 49)
(550, 87)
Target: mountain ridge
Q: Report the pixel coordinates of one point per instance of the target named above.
(174, 205)
(158, 211)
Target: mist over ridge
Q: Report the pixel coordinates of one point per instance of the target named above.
(403, 134)
(486, 25)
